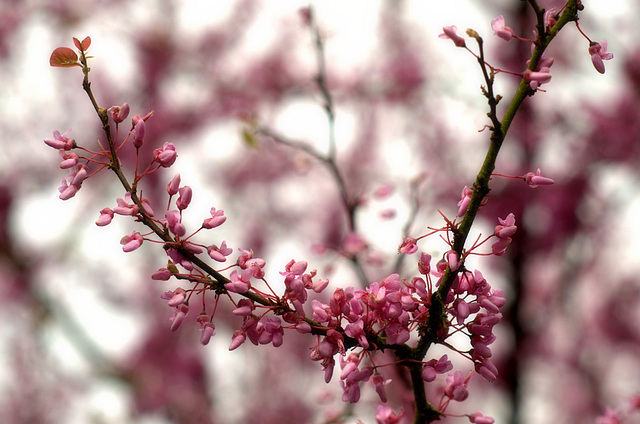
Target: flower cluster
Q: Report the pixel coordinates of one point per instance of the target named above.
(402, 315)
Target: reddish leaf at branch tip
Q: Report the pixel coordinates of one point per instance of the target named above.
(84, 46)
(63, 57)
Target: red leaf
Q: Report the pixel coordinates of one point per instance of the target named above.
(84, 46)
(63, 57)
(86, 43)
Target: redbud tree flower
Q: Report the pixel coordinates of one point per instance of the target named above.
(404, 316)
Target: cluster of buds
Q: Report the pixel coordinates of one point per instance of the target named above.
(354, 324)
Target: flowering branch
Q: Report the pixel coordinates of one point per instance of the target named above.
(356, 323)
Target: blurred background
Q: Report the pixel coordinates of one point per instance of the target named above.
(85, 335)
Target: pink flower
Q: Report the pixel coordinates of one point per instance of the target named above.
(237, 339)
(67, 191)
(175, 298)
(380, 383)
(165, 156)
(450, 33)
(537, 78)
(163, 274)
(408, 246)
(69, 160)
(178, 316)
(125, 207)
(239, 283)
(478, 418)
(206, 328)
(598, 52)
(219, 253)
(118, 113)
(457, 386)
(535, 180)
(436, 366)
(465, 199)
(217, 219)
(452, 260)
(173, 219)
(245, 308)
(185, 197)
(138, 130)
(59, 141)
(131, 242)
(385, 415)
(507, 227)
(174, 185)
(550, 18)
(105, 218)
(502, 31)
(499, 247)
(424, 264)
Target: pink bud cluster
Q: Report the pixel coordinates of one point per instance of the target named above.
(541, 73)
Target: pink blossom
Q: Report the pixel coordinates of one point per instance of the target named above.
(424, 264)
(174, 185)
(138, 131)
(239, 283)
(162, 274)
(380, 383)
(537, 78)
(67, 191)
(131, 242)
(356, 330)
(245, 308)
(465, 200)
(237, 339)
(165, 156)
(69, 159)
(487, 370)
(550, 18)
(478, 418)
(179, 259)
(176, 297)
(452, 260)
(147, 206)
(500, 29)
(535, 180)
(125, 207)
(118, 113)
(499, 247)
(436, 366)
(457, 386)
(178, 316)
(173, 219)
(408, 246)
(105, 218)
(507, 227)
(450, 33)
(217, 219)
(598, 52)
(385, 415)
(219, 253)
(59, 141)
(206, 328)
(185, 197)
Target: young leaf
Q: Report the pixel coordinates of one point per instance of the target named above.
(84, 46)
(63, 57)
